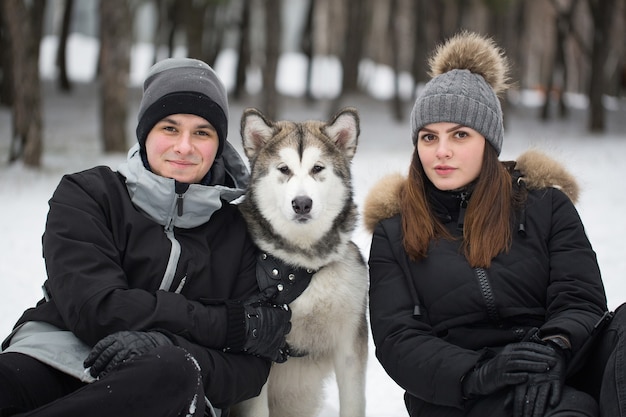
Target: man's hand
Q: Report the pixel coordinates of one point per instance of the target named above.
(267, 324)
(119, 347)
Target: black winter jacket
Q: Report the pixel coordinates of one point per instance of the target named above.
(106, 260)
(550, 279)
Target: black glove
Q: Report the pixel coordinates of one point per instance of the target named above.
(119, 347)
(532, 398)
(511, 366)
(267, 324)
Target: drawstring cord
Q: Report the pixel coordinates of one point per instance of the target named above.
(521, 228)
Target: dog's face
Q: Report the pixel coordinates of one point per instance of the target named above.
(300, 171)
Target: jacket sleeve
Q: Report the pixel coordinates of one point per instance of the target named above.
(575, 296)
(425, 366)
(89, 280)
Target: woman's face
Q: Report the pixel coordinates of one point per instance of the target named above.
(182, 147)
(451, 154)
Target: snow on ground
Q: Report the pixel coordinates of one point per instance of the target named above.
(71, 135)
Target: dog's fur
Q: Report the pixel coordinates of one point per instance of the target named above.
(310, 160)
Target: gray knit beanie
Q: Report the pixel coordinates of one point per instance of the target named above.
(187, 86)
(468, 72)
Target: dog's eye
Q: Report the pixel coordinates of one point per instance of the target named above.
(317, 169)
(284, 169)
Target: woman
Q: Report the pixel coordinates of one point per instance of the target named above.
(151, 303)
(485, 294)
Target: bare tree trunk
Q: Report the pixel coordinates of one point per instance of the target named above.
(162, 27)
(115, 43)
(419, 67)
(64, 81)
(273, 31)
(440, 18)
(215, 25)
(504, 18)
(622, 82)
(193, 17)
(352, 50)
(24, 22)
(172, 18)
(244, 50)
(6, 78)
(517, 34)
(353, 46)
(602, 12)
(562, 28)
(396, 102)
(306, 43)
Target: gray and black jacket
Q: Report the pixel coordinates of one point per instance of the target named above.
(127, 250)
(433, 320)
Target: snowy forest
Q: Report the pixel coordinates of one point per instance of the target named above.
(556, 47)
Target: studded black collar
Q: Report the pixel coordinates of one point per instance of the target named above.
(291, 281)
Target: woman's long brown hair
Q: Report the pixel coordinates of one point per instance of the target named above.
(487, 229)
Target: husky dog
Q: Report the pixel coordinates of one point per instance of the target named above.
(300, 212)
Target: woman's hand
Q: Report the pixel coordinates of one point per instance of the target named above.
(512, 366)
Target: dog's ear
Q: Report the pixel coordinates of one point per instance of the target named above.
(256, 130)
(344, 130)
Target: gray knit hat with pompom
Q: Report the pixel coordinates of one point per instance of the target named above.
(183, 86)
(469, 71)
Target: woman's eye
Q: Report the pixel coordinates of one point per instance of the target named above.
(428, 137)
(462, 134)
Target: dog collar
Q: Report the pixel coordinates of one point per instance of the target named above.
(291, 281)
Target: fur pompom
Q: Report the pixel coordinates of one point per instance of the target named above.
(473, 52)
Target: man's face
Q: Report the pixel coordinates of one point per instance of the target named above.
(182, 147)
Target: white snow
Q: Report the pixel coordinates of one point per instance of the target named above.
(71, 135)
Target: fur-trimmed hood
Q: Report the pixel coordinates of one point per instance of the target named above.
(537, 169)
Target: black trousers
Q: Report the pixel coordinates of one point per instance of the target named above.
(164, 382)
(597, 389)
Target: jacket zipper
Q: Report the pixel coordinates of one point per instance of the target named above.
(172, 263)
(487, 292)
(180, 198)
(170, 270)
(463, 206)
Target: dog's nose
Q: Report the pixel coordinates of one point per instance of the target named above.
(301, 204)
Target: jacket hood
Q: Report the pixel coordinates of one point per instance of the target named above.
(537, 170)
(156, 196)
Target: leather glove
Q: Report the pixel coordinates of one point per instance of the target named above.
(511, 366)
(267, 324)
(119, 347)
(532, 398)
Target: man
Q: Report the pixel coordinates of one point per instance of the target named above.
(151, 305)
